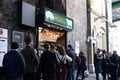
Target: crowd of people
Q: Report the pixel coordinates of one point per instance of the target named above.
(107, 65)
(55, 63)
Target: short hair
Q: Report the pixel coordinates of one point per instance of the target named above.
(81, 53)
(27, 40)
(103, 51)
(99, 49)
(46, 46)
(14, 45)
(70, 46)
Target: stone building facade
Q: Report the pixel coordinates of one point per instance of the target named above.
(99, 19)
(77, 10)
(8, 19)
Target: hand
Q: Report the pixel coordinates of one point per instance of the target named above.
(60, 70)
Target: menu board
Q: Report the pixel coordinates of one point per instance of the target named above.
(3, 44)
(47, 35)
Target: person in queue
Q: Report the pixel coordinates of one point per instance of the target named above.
(97, 63)
(71, 65)
(63, 58)
(13, 64)
(105, 64)
(114, 65)
(31, 59)
(49, 64)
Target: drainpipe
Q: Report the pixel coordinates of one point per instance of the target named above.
(107, 33)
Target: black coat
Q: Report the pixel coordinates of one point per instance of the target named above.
(119, 67)
(83, 65)
(105, 62)
(97, 62)
(113, 66)
(49, 64)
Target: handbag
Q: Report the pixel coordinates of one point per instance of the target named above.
(86, 73)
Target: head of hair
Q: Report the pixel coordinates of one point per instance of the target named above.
(27, 40)
(46, 46)
(61, 50)
(81, 53)
(103, 51)
(52, 46)
(14, 45)
(114, 52)
(70, 46)
(57, 47)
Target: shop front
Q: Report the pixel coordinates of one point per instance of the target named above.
(54, 28)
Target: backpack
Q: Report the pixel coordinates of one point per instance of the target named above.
(61, 74)
(78, 60)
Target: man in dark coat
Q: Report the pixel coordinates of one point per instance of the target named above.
(13, 64)
(114, 63)
(97, 63)
(49, 64)
(30, 58)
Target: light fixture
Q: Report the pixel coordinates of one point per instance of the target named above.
(40, 29)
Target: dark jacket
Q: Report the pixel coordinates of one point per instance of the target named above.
(73, 56)
(83, 65)
(13, 64)
(31, 59)
(105, 62)
(49, 65)
(97, 63)
(119, 67)
(114, 63)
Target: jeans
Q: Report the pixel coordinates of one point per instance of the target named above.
(71, 73)
(97, 76)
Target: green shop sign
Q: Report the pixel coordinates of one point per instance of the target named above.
(58, 19)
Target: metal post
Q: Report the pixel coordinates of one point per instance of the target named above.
(107, 33)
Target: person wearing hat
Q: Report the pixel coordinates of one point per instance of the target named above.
(97, 63)
(13, 64)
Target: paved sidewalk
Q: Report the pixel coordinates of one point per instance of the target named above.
(91, 77)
